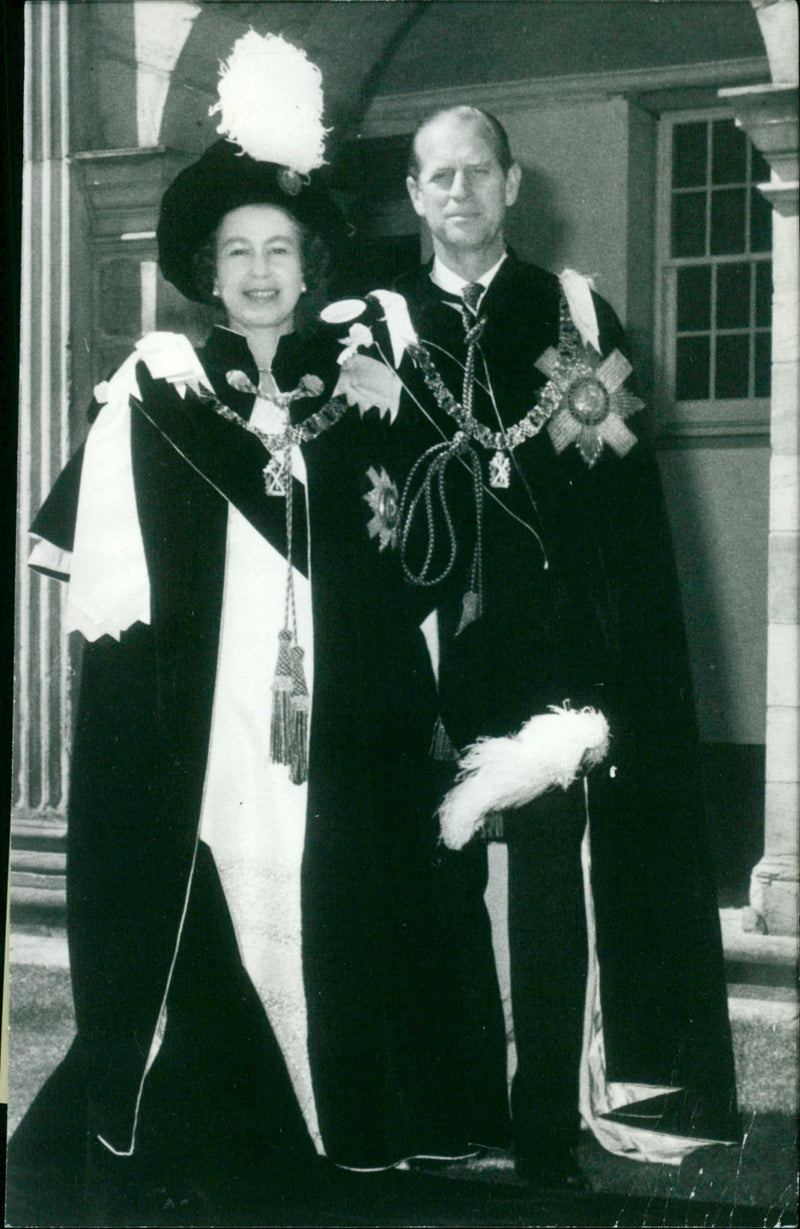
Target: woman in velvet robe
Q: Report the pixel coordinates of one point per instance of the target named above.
(190, 1069)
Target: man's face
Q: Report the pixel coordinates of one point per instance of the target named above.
(461, 190)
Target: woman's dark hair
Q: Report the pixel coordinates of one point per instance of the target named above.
(315, 261)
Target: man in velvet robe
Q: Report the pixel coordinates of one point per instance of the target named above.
(578, 602)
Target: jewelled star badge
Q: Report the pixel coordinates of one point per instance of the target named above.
(384, 501)
(593, 403)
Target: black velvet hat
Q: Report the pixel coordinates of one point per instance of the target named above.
(270, 103)
(223, 179)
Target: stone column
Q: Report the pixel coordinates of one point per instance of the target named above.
(43, 672)
(105, 211)
(769, 115)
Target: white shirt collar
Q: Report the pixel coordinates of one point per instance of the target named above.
(454, 283)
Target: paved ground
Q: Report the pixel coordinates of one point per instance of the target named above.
(488, 1197)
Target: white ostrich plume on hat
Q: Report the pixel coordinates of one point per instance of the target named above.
(499, 773)
(270, 102)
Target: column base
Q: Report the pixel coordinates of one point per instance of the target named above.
(38, 860)
(774, 893)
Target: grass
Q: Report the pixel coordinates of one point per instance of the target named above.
(41, 1028)
(762, 1173)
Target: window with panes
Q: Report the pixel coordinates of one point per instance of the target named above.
(715, 245)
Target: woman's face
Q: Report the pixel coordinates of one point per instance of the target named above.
(259, 270)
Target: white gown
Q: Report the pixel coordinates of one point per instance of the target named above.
(253, 817)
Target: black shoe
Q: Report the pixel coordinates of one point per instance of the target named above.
(551, 1169)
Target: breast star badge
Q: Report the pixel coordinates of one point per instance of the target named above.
(593, 403)
(384, 501)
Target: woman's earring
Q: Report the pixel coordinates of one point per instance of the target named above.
(215, 292)
(303, 288)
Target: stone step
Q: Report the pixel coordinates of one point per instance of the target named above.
(41, 881)
(38, 945)
(47, 830)
(37, 887)
(37, 873)
(749, 947)
(765, 1032)
(763, 974)
(758, 966)
(45, 861)
(37, 901)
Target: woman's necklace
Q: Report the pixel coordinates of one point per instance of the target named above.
(279, 433)
(290, 699)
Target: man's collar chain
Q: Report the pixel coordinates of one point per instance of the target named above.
(547, 401)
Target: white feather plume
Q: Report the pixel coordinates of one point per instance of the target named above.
(500, 773)
(270, 102)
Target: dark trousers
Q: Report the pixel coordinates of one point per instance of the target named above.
(548, 957)
(219, 1125)
(478, 1034)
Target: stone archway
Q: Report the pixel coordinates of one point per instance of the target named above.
(350, 56)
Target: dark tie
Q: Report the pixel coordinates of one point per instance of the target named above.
(471, 294)
(444, 296)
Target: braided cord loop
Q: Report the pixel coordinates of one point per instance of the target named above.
(437, 459)
(433, 484)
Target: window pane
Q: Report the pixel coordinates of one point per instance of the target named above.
(760, 222)
(691, 368)
(727, 221)
(694, 298)
(764, 292)
(733, 356)
(718, 269)
(763, 383)
(689, 155)
(728, 153)
(689, 224)
(759, 167)
(733, 296)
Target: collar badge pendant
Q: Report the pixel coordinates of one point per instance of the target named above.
(273, 474)
(270, 414)
(500, 470)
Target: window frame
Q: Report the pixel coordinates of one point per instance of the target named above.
(707, 417)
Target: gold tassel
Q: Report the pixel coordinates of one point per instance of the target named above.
(300, 705)
(281, 734)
